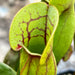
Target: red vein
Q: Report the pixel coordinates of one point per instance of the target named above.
(49, 30)
(37, 28)
(46, 26)
(50, 22)
(29, 23)
(37, 69)
(49, 54)
(46, 63)
(24, 66)
(37, 35)
(29, 65)
(45, 31)
(54, 63)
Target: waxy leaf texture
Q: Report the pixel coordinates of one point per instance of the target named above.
(33, 26)
(64, 33)
(6, 70)
(30, 65)
(32, 31)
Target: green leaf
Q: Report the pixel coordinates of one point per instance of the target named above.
(64, 33)
(29, 65)
(49, 46)
(68, 54)
(6, 70)
(32, 26)
(11, 58)
(61, 4)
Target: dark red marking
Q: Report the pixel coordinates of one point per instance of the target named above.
(46, 27)
(29, 37)
(37, 28)
(54, 63)
(29, 23)
(23, 22)
(37, 36)
(22, 35)
(50, 22)
(18, 47)
(29, 33)
(29, 65)
(25, 65)
(45, 31)
(49, 30)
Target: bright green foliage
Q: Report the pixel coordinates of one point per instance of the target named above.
(29, 65)
(64, 33)
(68, 54)
(6, 70)
(33, 26)
(61, 4)
(31, 29)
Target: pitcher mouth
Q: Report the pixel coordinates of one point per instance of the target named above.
(21, 45)
(28, 51)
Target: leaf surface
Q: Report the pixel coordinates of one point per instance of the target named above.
(32, 26)
(61, 5)
(64, 33)
(30, 65)
(6, 70)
